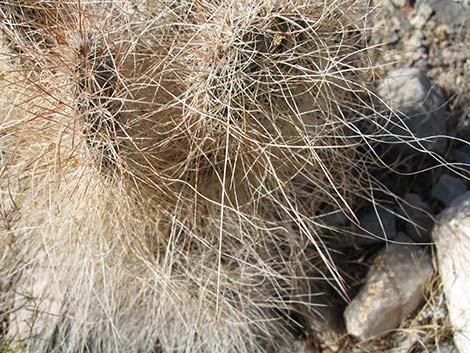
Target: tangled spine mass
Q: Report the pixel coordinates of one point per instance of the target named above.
(170, 161)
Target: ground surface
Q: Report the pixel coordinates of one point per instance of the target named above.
(434, 37)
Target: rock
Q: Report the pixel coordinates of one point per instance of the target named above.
(375, 226)
(419, 218)
(402, 238)
(448, 188)
(393, 290)
(391, 5)
(423, 14)
(399, 3)
(393, 38)
(415, 46)
(419, 107)
(448, 12)
(445, 348)
(292, 347)
(462, 128)
(321, 318)
(333, 217)
(452, 236)
(465, 4)
(461, 155)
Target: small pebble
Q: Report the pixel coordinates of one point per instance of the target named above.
(448, 188)
(423, 14)
(446, 348)
(399, 3)
(452, 13)
(442, 32)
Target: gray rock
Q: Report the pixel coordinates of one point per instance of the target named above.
(448, 188)
(321, 317)
(448, 12)
(423, 14)
(393, 38)
(445, 348)
(462, 127)
(415, 45)
(419, 218)
(376, 226)
(460, 199)
(402, 238)
(465, 4)
(452, 236)
(391, 5)
(419, 110)
(399, 3)
(333, 217)
(461, 155)
(293, 347)
(393, 290)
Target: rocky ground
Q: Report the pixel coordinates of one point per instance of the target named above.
(402, 305)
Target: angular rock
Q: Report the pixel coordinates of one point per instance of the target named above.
(452, 236)
(461, 155)
(423, 14)
(376, 226)
(391, 5)
(399, 3)
(415, 44)
(321, 319)
(333, 217)
(446, 348)
(403, 238)
(453, 13)
(462, 123)
(393, 290)
(292, 347)
(448, 188)
(419, 218)
(418, 110)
